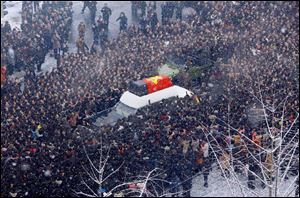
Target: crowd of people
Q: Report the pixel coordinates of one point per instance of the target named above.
(41, 145)
(43, 28)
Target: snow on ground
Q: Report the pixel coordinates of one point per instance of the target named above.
(49, 65)
(117, 7)
(14, 9)
(218, 187)
(14, 17)
(168, 70)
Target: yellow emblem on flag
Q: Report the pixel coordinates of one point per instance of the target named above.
(39, 126)
(155, 79)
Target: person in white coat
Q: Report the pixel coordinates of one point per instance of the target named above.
(11, 61)
(205, 150)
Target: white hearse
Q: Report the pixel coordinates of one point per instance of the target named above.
(129, 103)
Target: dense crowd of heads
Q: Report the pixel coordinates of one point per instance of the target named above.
(40, 143)
(44, 28)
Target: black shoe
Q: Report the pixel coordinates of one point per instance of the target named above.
(206, 184)
(293, 173)
(251, 186)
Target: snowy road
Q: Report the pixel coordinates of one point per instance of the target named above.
(117, 7)
(14, 17)
(218, 187)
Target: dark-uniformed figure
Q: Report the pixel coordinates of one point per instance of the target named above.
(85, 4)
(7, 28)
(99, 30)
(152, 5)
(143, 6)
(92, 5)
(153, 20)
(134, 8)
(143, 24)
(178, 11)
(36, 6)
(164, 13)
(106, 12)
(123, 21)
(94, 48)
(95, 32)
(93, 9)
(170, 9)
(103, 38)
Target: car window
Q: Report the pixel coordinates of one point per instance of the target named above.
(124, 110)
